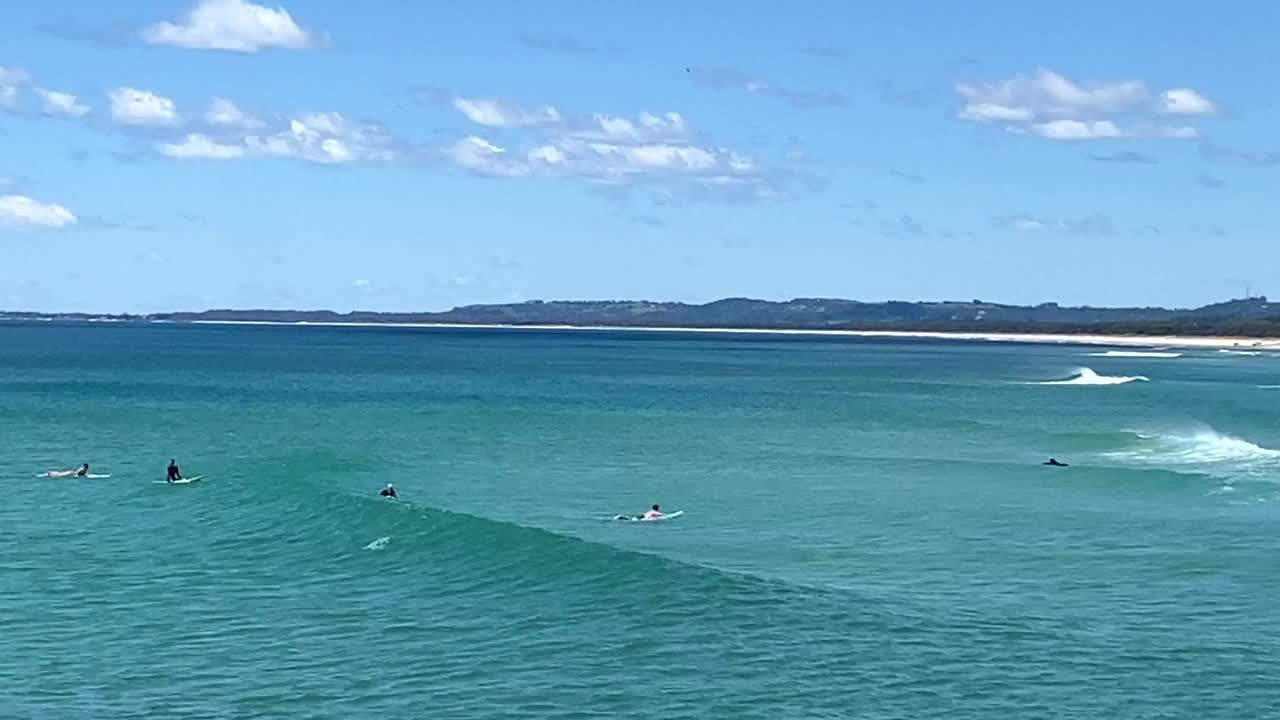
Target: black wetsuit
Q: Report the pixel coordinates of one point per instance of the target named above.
(389, 492)
(174, 474)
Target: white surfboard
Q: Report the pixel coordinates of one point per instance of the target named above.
(665, 516)
(183, 481)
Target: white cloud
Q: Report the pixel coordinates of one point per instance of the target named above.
(481, 156)
(328, 139)
(225, 113)
(733, 79)
(1176, 132)
(61, 103)
(618, 128)
(1185, 101)
(1077, 129)
(548, 155)
(1028, 224)
(130, 106)
(21, 212)
(12, 79)
(322, 138)
(1051, 106)
(1090, 225)
(992, 112)
(598, 160)
(668, 127)
(197, 146)
(658, 150)
(495, 113)
(233, 25)
(1047, 94)
(612, 159)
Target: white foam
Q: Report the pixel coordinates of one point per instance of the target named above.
(379, 543)
(1086, 376)
(1136, 354)
(1204, 450)
(1239, 352)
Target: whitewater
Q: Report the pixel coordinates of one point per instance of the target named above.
(868, 529)
(1087, 376)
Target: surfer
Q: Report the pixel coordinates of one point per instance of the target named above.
(84, 470)
(654, 513)
(389, 492)
(174, 473)
(1054, 462)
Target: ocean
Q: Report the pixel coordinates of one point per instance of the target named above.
(867, 528)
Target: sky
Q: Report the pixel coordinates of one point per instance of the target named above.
(189, 154)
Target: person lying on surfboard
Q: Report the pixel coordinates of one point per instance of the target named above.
(84, 470)
(174, 472)
(653, 514)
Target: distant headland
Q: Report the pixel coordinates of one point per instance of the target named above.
(1252, 317)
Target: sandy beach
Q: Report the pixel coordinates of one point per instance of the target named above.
(1130, 341)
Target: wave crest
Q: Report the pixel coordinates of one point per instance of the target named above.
(1136, 354)
(1205, 450)
(1086, 376)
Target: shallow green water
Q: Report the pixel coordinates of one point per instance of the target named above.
(867, 532)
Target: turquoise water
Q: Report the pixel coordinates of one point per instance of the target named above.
(867, 532)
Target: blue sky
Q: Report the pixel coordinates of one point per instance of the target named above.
(174, 154)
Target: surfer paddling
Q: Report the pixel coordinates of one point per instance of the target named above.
(1054, 462)
(389, 492)
(81, 472)
(654, 513)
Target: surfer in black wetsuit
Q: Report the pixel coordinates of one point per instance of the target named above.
(389, 492)
(174, 473)
(1054, 462)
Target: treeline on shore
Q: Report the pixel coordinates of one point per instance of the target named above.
(1251, 317)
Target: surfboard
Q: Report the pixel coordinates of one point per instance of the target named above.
(636, 518)
(90, 476)
(183, 481)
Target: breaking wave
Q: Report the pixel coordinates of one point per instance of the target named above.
(1204, 450)
(1136, 354)
(1086, 376)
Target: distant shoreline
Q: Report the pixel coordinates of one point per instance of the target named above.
(1086, 339)
(1252, 322)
